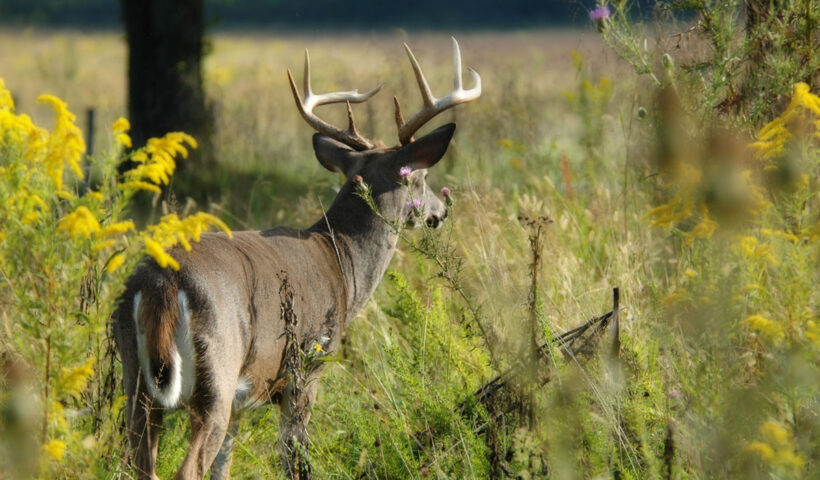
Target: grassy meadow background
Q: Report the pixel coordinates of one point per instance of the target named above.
(561, 131)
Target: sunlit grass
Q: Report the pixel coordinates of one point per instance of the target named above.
(718, 305)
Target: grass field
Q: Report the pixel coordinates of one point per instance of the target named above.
(555, 134)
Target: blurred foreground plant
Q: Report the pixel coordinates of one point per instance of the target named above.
(66, 249)
(743, 289)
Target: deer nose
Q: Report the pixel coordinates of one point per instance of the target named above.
(435, 220)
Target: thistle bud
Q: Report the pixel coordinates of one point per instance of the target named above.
(599, 16)
(448, 199)
(415, 205)
(404, 173)
(359, 185)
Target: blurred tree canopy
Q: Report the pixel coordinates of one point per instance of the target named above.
(335, 14)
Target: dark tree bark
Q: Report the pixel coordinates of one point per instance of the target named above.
(165, 92)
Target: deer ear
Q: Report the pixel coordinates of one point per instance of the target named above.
(428, 150)
(334, 156)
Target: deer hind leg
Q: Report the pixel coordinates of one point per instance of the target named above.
(221, 468)
(143, 426)
(209, 424)
(295, 404)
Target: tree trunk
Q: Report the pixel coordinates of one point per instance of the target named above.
(165, 93)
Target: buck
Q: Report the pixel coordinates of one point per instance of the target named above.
(214, 336)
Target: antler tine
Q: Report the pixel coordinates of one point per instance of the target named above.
(456, 65)
(432, 105)
(426, 94)
(305, 106)
(399, 116)
(351, 124)
(306, 78)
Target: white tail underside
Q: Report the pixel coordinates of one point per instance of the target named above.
(181, 370)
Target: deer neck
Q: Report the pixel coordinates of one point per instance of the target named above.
(364, 244)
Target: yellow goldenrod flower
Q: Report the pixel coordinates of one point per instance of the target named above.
(115, 262)
(764, 251)
(65, 144)
(172, 231)
(73, 380)
(765, 450)
(765, 326)
(120, 125)
(778, 448)
(79, 223)
(774, 136)
(124, 140)
(704, 229)
(775, 433)
(780, 234)
(155, 162)
(95, 195)
(117, 228)
(685, 180)
(25, 206)
(812, 330)
(786, 457)
(119, 129)
(19, 130)
(748, 245)
(137, 185)
(103, 245)
(55, 449)
(6, 101)
(159, 254)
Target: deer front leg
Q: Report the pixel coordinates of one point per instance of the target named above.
(143, 425)
(295, 404)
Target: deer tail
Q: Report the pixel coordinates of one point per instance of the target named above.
(164, 344)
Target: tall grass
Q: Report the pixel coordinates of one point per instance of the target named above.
(713, 246)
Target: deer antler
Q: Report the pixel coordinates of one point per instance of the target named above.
(350, 136)
(432, 105)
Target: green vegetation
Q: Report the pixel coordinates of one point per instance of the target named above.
(691, 185)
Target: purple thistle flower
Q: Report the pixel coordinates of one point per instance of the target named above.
(599, 14)
(414, 203)
(405, 172)
(445, 192)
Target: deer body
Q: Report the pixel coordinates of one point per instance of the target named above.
(212, 337)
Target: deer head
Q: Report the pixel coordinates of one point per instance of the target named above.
(396, 175)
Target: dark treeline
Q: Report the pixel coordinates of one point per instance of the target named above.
(332, 14)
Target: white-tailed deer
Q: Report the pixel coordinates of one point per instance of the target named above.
(226, 330)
